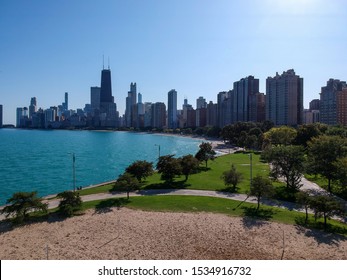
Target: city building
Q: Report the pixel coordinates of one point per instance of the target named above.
(95, 98)
(158, 115)
(66, 102)
(242, 91)
(256, 107)
(201, 103)
(32, 107)
(314, 104)
(284, 99)
(1, 116)
(212, 114)
(328, 101)
(341, 107)
(172, 109)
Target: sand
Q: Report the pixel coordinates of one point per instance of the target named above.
(131, 234)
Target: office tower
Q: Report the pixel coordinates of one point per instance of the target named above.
(201, 103)
(256, 105)
(66, 102)
(140, 112)
(106, 87)
(341, 107)
(242, 91)
(130, 109)
(328, 101)
(225, 105)
(1, 117)
(108, 115)
(212, 114)
(201, 117)
(19, 116)
(172, 109)
(148, 114)
(284, 99)
(314, 104)
(32, 107)
(158, 115)
(95, 98)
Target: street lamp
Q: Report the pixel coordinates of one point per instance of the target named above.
(250, 171)
(158, 150)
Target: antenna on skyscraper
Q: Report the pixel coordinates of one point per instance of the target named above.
(103, 62)
(108, 63)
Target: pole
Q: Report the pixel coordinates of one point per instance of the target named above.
(74, 171)
(250, 159)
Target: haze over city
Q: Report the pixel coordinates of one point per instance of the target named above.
(198, 48)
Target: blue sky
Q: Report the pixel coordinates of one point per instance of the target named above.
(196, 47)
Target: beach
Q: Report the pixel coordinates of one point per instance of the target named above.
(122, 233)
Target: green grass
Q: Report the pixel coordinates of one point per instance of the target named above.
(210, 179)
(196, 204)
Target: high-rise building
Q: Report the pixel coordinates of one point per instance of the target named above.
(32, 107)
(256, 105)
(221, 99)
(212, 114)
(66, 102)
(130, 109)
(95, 98)
(172, 109)
(158, 115)
(328, 101)
(342, 107)
(1, 118)
(201, 103)
(284, 99)
(314, 104)
(242, 91)
(106, 87)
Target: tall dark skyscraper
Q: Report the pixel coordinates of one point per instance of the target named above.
(106, 87)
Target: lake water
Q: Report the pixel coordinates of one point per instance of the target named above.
(43, 160)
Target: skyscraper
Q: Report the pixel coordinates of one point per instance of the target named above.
(158, 115)
(130, 116)
(328, 101)
(1, 119)
(106, 87)
(32, 107)
(243, 89)
(201, 103)
(66, 102)
(172, 109)
(284, 99)
(95, 98)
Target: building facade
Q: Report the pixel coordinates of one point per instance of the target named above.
(172, 109)
(1, 116)
(284, 99)
(158, 115)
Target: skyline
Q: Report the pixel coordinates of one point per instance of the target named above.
(198, 48)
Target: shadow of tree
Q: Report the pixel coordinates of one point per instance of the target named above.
(332, 234)
(228, 189)
(256, 218)
(107, 205)
(168, 185)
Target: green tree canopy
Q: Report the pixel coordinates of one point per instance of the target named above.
(323, 152)
(205, 152)
(126, 182)
(70, 203)
(261, 187)
(168, 167)
(21, 204)
(232, 177)
(287, 162)
(189, 165)
(283, 135)
(140, 169)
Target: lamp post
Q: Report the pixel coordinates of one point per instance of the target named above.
(158, 150)
(250, 171)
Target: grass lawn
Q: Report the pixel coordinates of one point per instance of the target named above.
(197, 204)
(210, 179)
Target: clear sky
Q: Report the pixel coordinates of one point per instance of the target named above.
(198, 47)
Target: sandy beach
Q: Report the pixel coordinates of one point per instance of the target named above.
(131, 234)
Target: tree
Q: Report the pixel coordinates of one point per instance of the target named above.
(126, 182)
(306, 132)
(326, 206)
(323, 152)
(189, 165)
(205, 153)
(140, 169)
(21, 204)
(261, 187)
(283, 135)
(168, 167)
(341, 171)
(304, 199)
(232, 177)
(286, 162)
(70, 203)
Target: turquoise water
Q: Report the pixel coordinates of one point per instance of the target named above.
(42, 160)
